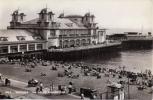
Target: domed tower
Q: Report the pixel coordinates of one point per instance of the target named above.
(89, 20)
(51, 16)
(21, 17)
(17, 18)
(45, 18)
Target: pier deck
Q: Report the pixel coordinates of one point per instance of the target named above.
(140, 39)
(86, 47)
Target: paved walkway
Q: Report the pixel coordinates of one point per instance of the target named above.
(19, 90)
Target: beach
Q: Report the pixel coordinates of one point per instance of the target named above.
(48, 76)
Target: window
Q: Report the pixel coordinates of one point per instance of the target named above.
(23, 48)
(39, 46)
(58, 24)
(64, 32)
(101, 33)
(37, 37)
(3, 38)
(3, 49)
(75, 19)
(52, 33)
(31, 47)
(42, 16)
(69, 24)
(61, 43)
(20, 38)
(13, 49)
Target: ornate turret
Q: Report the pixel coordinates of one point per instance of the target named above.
(21, 17)
(89, 21)
(17, 18)
(45, 17)
(51, 16)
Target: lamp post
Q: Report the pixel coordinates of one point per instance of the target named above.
(22, 55)
(128, 89)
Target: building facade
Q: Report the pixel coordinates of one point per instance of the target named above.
(50, 32)
(14, 41)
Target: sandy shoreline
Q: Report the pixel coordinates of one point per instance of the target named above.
(17, 72)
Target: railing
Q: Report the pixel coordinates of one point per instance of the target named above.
(85, 47)
(140, 38)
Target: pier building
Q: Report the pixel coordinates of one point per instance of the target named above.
(49, 32)
(14, 41)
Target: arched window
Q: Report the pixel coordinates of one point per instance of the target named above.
(83, 42)
(60, 44)
(77, 42)
(20, 38)
(66, 44)
(88, 41)
(3, 38)
(72, 43)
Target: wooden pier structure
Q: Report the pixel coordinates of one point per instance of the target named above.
(82, 52)
(138, 43)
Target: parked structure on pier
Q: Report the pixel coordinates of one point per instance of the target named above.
(126, 36)
(133, 39)
(48, 32)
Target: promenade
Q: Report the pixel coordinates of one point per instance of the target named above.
(19, 90)
(105, 45)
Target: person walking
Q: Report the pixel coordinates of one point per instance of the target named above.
(152, 92)
(7, 82)
(0, 76)
(65, 89)
(41, 87)
(94, 97)
(70, 87)
(82, 96)
(37, 89)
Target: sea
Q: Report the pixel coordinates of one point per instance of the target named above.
(132, 60)
(137, 60)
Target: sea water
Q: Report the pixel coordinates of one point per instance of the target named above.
(132, 60)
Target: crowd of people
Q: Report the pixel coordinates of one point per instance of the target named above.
(141, 79)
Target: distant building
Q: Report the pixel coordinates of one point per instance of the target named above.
(137, 36)
(116, 37)
(48, 32)
(126, 36)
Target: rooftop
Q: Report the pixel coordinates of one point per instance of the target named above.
(73, 16)
(13, 35)
(32, 21)
(61, 23)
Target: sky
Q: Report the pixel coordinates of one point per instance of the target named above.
(130, 14)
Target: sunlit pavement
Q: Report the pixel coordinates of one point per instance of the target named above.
(20, 90)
